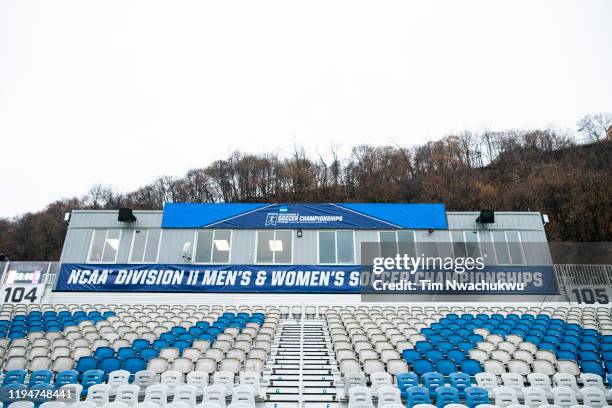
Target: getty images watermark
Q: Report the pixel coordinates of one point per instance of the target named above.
(478, 270)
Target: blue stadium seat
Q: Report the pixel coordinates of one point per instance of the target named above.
(446, 395)
(432, 380)
(39, 395)
(405, 381)
(86, 364)
(417, 395)
(470, 366)
(92, 377)
(410, 355)
(423, 346)
(40, 377)
(103, 352)
(455, 355)
(592, 367)
(14, 377)
(66, 377)
(140, 344)
(460, 381)
(110, 364)
(126, 352)
(422, 366)
(475, 396)
(134, 364)
(9, 395)
(445, 366)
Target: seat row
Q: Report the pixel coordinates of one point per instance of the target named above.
(129, 395)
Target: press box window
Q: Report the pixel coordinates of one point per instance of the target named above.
(466, 244)
(213, 246)
(274, 247)
(104, 246)
(336, 247)
(508, 247)
(399, 242)
(145, 245)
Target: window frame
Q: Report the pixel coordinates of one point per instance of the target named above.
(292, 234)
(91, 242)
(161, 234)
(414, 242)
(335, 231)
(212, 245)
(506, 242)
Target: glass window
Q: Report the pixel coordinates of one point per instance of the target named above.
(472, 243)
(405, 243)
(336, 247)
(213, 246)
(274, 247)
(345, 247)
(104, 246)
(388, 244)
(145, 245)
(397, 242)
(501, 247)
(515, 247)
(458, 240)
(327, 247)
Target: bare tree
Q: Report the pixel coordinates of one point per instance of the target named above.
(596, 127)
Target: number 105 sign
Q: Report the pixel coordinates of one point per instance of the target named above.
(22, 293)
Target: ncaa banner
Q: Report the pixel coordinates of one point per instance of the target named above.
(525, 280)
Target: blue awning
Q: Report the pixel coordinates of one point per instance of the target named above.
(304, 216)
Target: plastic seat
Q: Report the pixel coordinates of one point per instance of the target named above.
(593, 396)
(185, 393)
(404, 381)
(487, 381)
(564, 397)
(117, 378)
(128, 394)
(534, 396)
(432, 380)
(215, 394)
(199, 380)
(504, 396)
(171, 379)
(416, 396)
(388, 395)
(379, 380)
(225, 379)
(244, 394)
(446, 395)
(157, 394)
(460, 381)
(476, 396)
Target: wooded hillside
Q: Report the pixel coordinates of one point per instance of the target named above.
(539, 170)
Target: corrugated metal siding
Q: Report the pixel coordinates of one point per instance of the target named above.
(304, 249)
(76, 245)
(108, 219)
(172, 242)
(503, 221)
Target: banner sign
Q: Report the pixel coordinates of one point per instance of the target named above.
(305, 216)
(300, 279)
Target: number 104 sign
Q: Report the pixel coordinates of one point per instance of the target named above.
(22, 293)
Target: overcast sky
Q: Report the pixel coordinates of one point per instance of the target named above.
(120, 92)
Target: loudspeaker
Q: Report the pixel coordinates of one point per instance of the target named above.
(486, 217)
(126, 215)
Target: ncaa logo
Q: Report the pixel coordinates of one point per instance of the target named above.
(271, 219)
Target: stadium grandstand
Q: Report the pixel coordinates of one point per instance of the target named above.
(304, 305)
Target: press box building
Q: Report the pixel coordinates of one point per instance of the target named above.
(246, 252)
